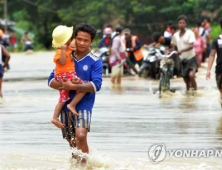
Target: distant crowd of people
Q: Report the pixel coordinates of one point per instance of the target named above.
(202, 32)
(6, 41)
(10, 40)
(124, 45)
(193, 47)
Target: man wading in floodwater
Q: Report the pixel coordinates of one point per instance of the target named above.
(216, 49)
(89, 69)
(183, 40)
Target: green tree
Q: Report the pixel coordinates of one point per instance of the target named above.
(143, 16)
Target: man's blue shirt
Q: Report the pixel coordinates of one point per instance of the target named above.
(89, 69)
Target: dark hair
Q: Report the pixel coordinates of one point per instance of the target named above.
(182, 17)
(199, 22)
(206, 18)
(220, 21)
(169, 23)
(173, 27)
(156, 36)
(85, 27)
(109, 26)
(119, 29)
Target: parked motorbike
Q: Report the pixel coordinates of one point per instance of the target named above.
(104, 55)
(151, 64)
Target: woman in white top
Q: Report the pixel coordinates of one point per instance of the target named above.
(115, 58)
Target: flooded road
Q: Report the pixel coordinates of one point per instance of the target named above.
(126, 122)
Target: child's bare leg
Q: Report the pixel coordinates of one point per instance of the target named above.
(72, 105)
(55, 119)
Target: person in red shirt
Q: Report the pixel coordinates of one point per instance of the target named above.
(13, 41)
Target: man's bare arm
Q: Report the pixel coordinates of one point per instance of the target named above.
(7, 55)
(173, 48)
(210, 63)
(211, 59)
(55, 84)
(72, 85)
(86, 87)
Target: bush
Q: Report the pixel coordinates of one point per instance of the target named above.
(215, 30)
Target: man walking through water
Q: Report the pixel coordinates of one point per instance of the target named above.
(183, 40)
(89, 69)
(216, 49)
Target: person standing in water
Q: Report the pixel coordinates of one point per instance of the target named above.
(183, 41)
(3, 65)
(89, 69)
(216, 50)
(115, 58)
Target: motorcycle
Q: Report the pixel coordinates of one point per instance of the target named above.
(104, 55)
(151, 64)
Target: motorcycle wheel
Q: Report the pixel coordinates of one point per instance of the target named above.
(105, 71)
(144, 73)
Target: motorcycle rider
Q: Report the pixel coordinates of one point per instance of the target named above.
(105, 48)
(159, 39)
(106, 41)
(27, 42)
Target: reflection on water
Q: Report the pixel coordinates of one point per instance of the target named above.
(125, 123)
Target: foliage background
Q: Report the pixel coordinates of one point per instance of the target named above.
(143, 16)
